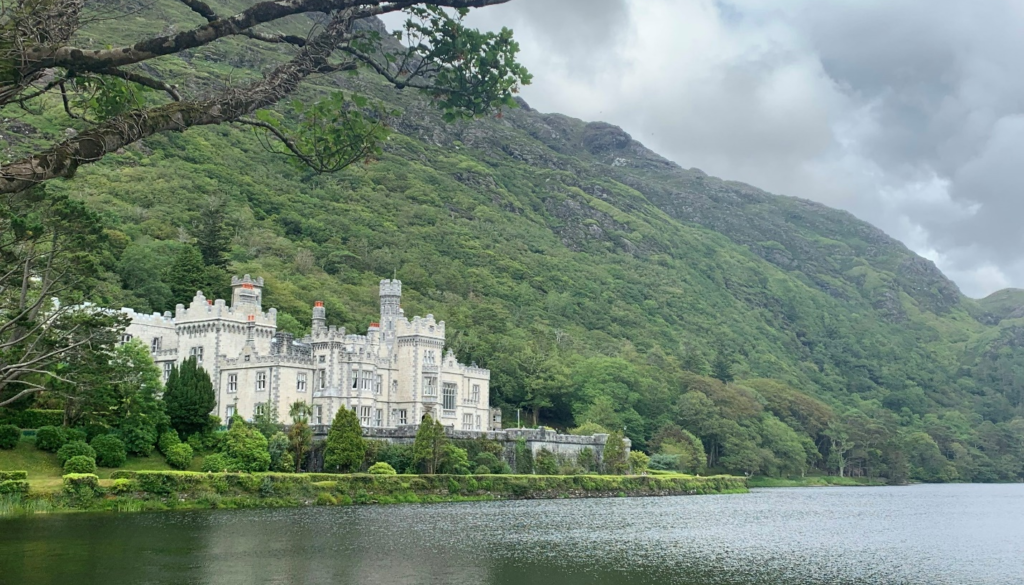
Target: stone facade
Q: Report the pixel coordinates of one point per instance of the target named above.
(392, 376)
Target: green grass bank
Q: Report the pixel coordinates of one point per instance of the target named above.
(813, 481)
(128, 491)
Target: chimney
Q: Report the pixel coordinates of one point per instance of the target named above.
(319, 316)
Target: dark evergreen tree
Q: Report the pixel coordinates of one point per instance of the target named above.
(212, 236)
(428, 449)
(721, 368)
(345, 448)
(189, 398)
(187, 274)
(614, 457)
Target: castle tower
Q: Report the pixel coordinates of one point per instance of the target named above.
(319, 316)
(390, 307)
(247, 291)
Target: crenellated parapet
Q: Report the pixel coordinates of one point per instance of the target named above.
(151, 320)
(203, 309)
(420, 326)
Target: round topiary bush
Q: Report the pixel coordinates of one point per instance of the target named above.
(482, 470)
(50, 438)
(216, 463)
(80, 464)
(110, 451)
(9, 436)
(74, 449)
(179, 456)
(382, 468)
(76, 435)
(167, 440)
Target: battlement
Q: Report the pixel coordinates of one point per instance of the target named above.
(331, 333)
(155, 319)
(203, 309)
(426, 326)
(247, 280)
(391, 288)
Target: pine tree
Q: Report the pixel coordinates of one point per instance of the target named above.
(186, 275)
(614, 457)
(428, 450)
(722, 367)
(212, 237)
(345, 446)
(189, 398)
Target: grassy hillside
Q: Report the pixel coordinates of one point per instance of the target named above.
(598, 281)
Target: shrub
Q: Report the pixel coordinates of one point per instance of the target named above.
(50, 438)
(179, 456)
(73, 449)
(13, 475)
(345, 448)
(488, 460)
(248, 447)
(524, 457)
(589, 428)
(124, 486)
(662, 462)
(381, 468)
(32, 418)
(9, 436)
(110, 451)
(455, 461)
(80, 464)
(81, 486)
(614, 456)
(398, 456)
(216, 462)
(14, 486)
(94, 430)
(638, 462)
(482, 470)
(139, 434)
(168, 440)
(76, 435)
(546, 463)
(280, 459)
(587, 460)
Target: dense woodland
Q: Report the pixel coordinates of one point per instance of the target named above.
(719, 326)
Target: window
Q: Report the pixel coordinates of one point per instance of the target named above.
(232, 383)
(448, 400)
(321, 376)
(476, 394)
(167, 370)
(261, 381)
(156, 344)
(430, 385)
(300, 383)
(322, 359)
(478, 422)
(318, 415)
(378, 418)
(246, 357)
(403, 417)
(429, 359)
(126, 338)
(394, 386)
(377, 384)
(363, 379)
(364, 416)
(261, 409)
(467, 422)
(230, 412)
(196, 352)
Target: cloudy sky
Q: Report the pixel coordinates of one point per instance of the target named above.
(908, 113)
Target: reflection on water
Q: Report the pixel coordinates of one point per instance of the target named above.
(923, 534)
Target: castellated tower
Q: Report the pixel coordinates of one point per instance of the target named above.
(390, 308)
(319, 316)
(247, 291)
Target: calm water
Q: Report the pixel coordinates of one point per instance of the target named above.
(921, 534)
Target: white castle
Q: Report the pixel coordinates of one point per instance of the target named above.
(392, 376)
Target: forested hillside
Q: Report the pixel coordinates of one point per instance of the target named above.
(598, 281)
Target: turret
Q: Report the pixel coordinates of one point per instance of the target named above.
(390, 307)
(247, 291)
(319, 316)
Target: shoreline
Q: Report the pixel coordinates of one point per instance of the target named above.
(814, 481)
(144, 491)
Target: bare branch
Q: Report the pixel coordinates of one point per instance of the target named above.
(144, 81)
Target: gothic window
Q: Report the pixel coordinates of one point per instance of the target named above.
(156, 344)
(322, 359)
(300, 382)
(232, 383)
(450, 391)
(429, 358)
(476, 394)
(378, 418)
(478, 422)
(125, 338)
(261, 381)
(168, 366)
(261, 409)
(321, 376)
(230, 412)
(467, 422)
(364, 416)
(377, 384)
(196, 352)
(318, 415)
(430, 385)
(403, 416)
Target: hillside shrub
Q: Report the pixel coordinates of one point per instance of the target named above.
(80, 464)
(545, 463)
(74, 449)
(216, 462)
(381, 468)
(638, 462)
(488, 461)
(167, 440)
(110, 451)
(50, 438)
(139, 435)
(398, 456)
(455, 460)
(94, 430)
(179, 456)
(482, 470)
(662, 462)
(81, 487)
(247, 447)
(76, 435)
(9, 436)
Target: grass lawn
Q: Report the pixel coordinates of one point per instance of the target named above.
(44, 470)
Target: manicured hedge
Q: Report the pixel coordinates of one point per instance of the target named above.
(80, 464)
(13, 486)
(75, 481)
(13, 475)
(32, 418)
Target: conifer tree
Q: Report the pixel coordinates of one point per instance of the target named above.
(212, 236)
(189, 398)
(345, 446)
(428, 450)
(186, 275)
(614, 458)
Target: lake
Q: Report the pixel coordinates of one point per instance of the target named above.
(929, 534)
